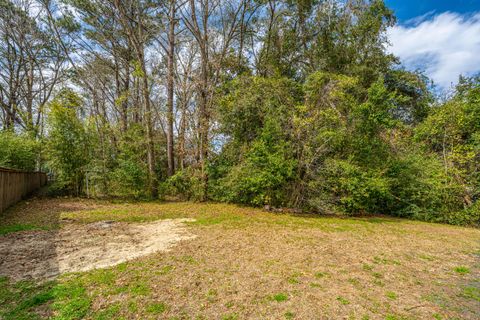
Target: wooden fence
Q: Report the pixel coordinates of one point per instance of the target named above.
(16, 185)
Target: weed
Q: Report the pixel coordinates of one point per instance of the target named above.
(103, 277)
(379, 283)
(367, 267)
(354, 281)
(280, 297)
(189, 260)
(343, 301)
(122, 267)
(17, 300)
(462, 270)
(294, 278)
(426, 257)
(164, 270)
(394, 317)
(391, 295)
(381, 260)
(438, 299)
(211, 295)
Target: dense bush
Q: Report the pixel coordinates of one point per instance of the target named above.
(184, 185)
(343, 148)
(128, 175)
(264, 172)
(18, 151)
(257, 165)
(342, 186)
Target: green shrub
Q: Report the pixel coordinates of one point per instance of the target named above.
(128, 179)
(264, 174)
(18, 151)
(466, 217)
(421, 188)
(129, 173)
(185, 184)
(344, 186)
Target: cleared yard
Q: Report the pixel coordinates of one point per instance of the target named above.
(229, 262)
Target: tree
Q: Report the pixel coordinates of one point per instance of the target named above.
(68, 148)
(31, 64)
(134, 18)
(213, 42)
(172, 21)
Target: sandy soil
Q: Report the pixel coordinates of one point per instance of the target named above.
(77, 247)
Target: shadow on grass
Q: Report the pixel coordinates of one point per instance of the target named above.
(28, 251)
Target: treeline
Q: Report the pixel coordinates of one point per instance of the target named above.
(263, 102)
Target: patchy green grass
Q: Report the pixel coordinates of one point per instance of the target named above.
(156, 308)
(391, 295)
(280, 297)
(462, 270)
(247, 263)
(18, 300)
(471, 292)
(52, 212)
(232, 316)
(343, 300)
(18, 227)
(67, 300)
(320, 275)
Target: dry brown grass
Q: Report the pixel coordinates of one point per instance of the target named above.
(249, 264)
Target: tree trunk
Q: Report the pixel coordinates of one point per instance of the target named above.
(204, 124)
(181, 136)
(152, 180)
(170, 88)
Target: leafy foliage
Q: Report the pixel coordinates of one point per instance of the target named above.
(345, 149)
(263, 175)
(18, 151)
(68, 141)
(129, 175)
(185, 184)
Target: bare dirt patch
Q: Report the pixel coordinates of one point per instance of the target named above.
(83, 247)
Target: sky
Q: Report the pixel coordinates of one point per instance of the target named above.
(440, 37)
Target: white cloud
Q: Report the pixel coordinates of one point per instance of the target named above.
(445, 45)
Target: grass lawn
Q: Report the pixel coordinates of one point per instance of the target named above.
(249, 264)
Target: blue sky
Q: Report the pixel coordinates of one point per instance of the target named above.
(408, 9)
(439, 37)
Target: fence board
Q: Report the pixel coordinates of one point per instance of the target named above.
(17, 185)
